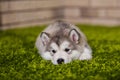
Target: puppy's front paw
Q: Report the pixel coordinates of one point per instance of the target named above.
(85, 56)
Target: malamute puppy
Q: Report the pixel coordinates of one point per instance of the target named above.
(62, 42)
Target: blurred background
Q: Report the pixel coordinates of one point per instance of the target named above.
(24, 13)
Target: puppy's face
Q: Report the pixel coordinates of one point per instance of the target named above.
(61, 49)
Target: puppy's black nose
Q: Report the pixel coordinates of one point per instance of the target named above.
(60, 61)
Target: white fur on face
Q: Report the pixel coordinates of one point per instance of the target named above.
(60, 53)
(54, 46)
(74, 53)
(64, 45)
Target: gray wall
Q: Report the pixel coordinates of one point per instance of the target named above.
(22, 13)
(105, 12)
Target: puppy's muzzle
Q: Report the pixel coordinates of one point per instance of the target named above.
(60, 61)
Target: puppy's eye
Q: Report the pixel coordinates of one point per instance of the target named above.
(67, 50)
(53, 51)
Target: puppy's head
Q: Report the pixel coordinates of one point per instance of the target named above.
(60, 49)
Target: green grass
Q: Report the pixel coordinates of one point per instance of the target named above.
(19, 59)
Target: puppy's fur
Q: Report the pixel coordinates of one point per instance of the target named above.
(62, 42)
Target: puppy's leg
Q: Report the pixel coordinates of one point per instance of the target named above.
(87, 54)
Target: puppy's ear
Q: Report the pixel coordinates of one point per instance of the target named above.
(74, 35)
(45, 38)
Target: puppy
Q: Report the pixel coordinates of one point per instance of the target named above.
(62, 42)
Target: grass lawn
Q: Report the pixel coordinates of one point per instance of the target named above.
(19, 59)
